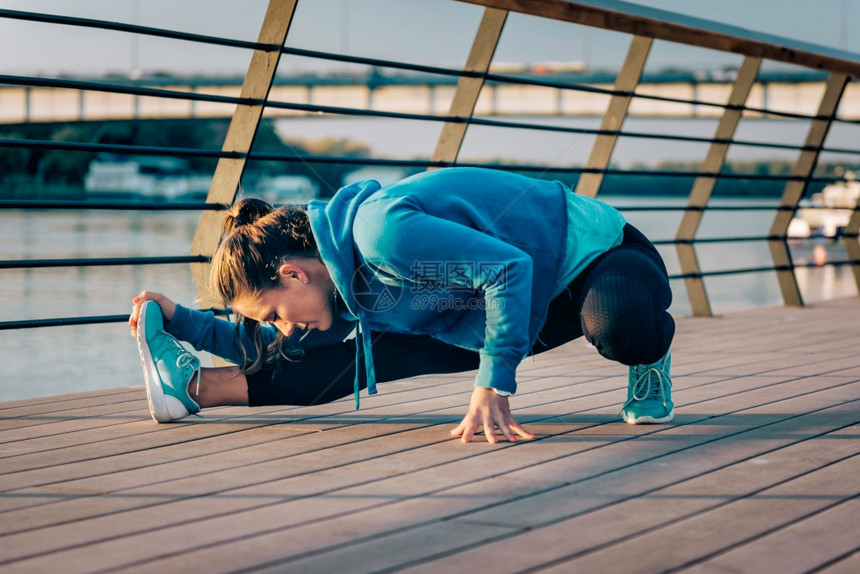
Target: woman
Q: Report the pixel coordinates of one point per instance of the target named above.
(475, 258)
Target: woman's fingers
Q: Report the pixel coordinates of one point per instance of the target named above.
(137, 301)
(523, 433)
(518, 428)
(465, 430)
(489, 411)
(133, 318)
(489, 428)
(469, 431)
(459, 429)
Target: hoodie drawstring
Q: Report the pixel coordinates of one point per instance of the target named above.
(365, 345)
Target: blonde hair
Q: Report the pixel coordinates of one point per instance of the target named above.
(256, 238)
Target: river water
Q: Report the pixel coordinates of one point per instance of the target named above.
(48, 361)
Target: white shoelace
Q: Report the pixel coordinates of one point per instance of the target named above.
(642, 387)
(185, 360)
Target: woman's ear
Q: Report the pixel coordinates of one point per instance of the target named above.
(290, 272)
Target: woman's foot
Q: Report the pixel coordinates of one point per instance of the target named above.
(649, 394)
(167, 367)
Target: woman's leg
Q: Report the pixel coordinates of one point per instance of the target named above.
(624, 301)
(618, 302)
(325, 374)
(219, 386)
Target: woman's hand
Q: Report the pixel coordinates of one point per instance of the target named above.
(168, 308)
(491, 411)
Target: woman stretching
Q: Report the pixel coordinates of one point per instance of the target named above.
(444, 271)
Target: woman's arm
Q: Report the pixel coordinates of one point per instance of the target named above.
(396, 238)
(202, 330)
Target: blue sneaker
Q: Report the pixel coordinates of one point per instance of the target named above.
(649, 394)
(167, 367)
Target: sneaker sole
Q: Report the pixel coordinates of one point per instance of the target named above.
(152, 382)
(649, 420)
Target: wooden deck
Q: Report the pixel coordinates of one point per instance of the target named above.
(759, 473)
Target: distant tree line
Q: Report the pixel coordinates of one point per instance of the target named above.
(43, 169)
(36, 169)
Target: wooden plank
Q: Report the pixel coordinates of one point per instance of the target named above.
(403, 547)
(801, 547)
(25, 431)
(847, 565)
(62, 402)
(34, 412)
(83, 478)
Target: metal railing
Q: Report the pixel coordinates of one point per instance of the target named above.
(644, 25)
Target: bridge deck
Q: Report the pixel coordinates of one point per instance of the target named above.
(758, 474)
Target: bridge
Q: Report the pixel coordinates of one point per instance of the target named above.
(511, 90)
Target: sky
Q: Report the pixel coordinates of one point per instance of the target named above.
(431, 32)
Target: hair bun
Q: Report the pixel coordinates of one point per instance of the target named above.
(244, 212)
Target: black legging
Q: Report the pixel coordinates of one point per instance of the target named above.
(618, 303)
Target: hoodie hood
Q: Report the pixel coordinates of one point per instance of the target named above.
(332, 223)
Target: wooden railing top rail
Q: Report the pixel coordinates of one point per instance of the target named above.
(639, 20)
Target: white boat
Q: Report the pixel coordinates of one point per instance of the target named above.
(828, 212)
(150, 177)
(285, 189)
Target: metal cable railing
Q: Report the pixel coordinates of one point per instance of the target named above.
(111, 205)
(310, 159)
(495, 79)
(362, 112)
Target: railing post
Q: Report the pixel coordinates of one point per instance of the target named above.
(796, 188)
(240, 138)
(700, 195)
(852, 242)
(613, 119)
(469, 88)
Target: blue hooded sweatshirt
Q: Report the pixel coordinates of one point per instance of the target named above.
(469, 256)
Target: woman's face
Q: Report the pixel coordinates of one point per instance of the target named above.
(304, 299)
